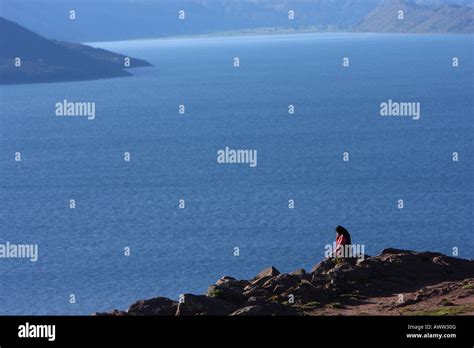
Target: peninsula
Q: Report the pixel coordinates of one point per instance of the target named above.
(27, 57)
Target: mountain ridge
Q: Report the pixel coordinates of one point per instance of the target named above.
(126, 19)
(418, 18)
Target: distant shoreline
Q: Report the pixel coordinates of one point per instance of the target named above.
(263, 33)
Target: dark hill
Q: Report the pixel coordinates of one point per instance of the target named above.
(44, 60)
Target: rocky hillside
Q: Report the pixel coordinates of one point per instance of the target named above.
(44, 60)
(396, 282)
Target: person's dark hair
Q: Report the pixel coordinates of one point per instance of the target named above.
(345, 233)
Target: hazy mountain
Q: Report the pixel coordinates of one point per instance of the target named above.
(468, 3)
(125, 19)
(419, 18)
(44, 60)
(128, 19)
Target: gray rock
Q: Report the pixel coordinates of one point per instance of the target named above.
(228, 294)
(154, 306)
(229, 282)
(267, 272)
(280, 283)
(323, 266)
(204, 305)
(299, 272)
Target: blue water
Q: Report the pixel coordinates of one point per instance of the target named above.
(175, 251)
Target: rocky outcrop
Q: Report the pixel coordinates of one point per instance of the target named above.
(204, 305)
(394, 282)
(155, 306)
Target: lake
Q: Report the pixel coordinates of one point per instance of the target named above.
(136, 204)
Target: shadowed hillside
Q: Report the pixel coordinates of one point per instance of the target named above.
(43, 60)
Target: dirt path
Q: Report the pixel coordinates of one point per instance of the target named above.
(448, 298)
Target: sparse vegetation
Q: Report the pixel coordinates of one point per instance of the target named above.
(215, 292)
(313, 304)
(452, 310)
(445, 302)
(355, 297)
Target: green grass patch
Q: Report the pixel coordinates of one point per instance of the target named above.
(454, 310)
(337, 260)
(216, 293)
(313, 304)
(353, 296)
(310, 305)
(336, 305)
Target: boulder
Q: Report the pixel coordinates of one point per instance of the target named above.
(261, 278)
(229, 282)
(154, 306)
(229, 294)
(267, 272)
(257, 292)
(305, 292)
(299, 272)
(280, 283)
(323, 266)
(203, 305)
(395, 251)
